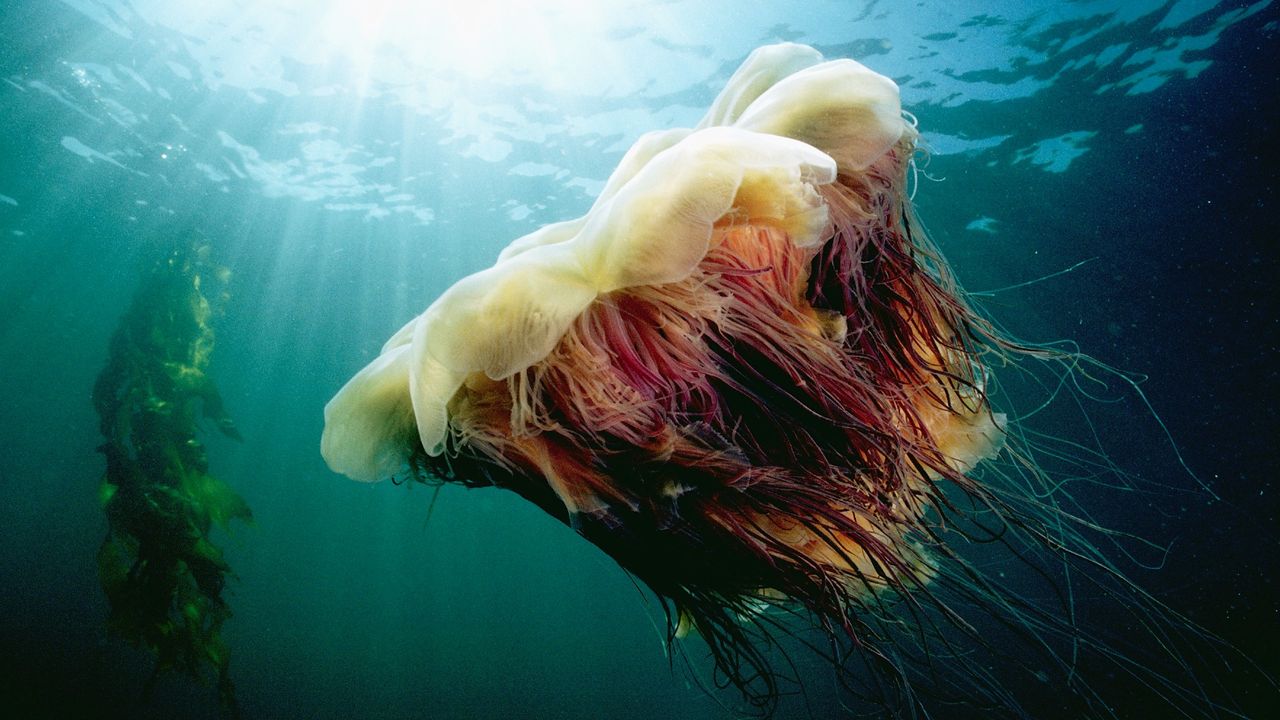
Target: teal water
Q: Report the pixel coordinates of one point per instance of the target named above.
(349, 161)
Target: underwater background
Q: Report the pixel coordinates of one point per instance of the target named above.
(348, 161)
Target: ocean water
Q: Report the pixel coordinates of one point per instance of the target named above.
(348, 161)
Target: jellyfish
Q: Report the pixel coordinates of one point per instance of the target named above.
(745, 374)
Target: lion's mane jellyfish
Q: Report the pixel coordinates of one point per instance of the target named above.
(749, 378)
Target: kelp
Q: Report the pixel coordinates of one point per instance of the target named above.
(161, 572)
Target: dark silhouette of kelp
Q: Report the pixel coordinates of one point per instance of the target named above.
(161, 572)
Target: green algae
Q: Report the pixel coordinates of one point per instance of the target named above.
(162, 574)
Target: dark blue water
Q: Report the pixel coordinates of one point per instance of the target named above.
(349, 161)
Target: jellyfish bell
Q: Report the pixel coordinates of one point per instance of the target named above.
(744, 374)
